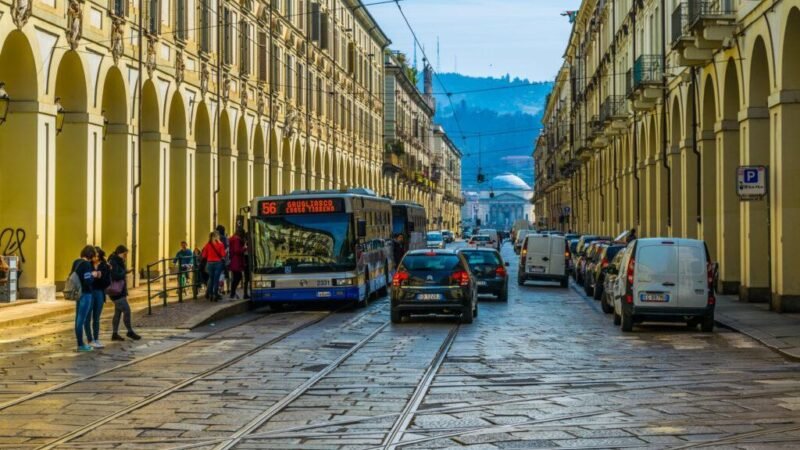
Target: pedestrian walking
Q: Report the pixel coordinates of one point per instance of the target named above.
(220, 229)
(238, 248)
(398, 249)
(214, 253)
(101, 282)
(118, 292)
(83, 273)
(247, 274)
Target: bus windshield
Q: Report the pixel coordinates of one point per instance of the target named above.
(303, 244)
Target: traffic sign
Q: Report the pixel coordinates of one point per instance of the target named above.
(751, 182)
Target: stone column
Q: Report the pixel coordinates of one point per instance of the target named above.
(728, 225)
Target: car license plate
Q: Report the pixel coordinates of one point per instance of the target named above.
(324, 294)
(481, 283)
(654, 297)
(537, 269)
(429, 296)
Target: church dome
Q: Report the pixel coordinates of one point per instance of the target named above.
(509, 182)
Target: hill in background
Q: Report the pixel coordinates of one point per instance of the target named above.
(494, 121)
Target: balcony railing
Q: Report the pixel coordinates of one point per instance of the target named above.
(595, 126)
(680, 20)
(705, 9)
(647, 70)
(614, 107)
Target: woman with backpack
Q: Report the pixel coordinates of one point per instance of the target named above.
(83, 274)
(118, 291)
(101, 282)
(214, 255)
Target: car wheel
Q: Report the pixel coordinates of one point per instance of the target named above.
(626, 322)
(503, 297)
(617, 319)
(565, 281)
(707, 325)
(598, 291)
(608, 309)
(467, 315)
(520, 280)
(397, 317)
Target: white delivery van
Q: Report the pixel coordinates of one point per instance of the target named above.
(665, 279)
(543, 258)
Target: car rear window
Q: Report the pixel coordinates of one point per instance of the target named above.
(427, 262)
(482, 258)
(692, 261)
(481, 237)
(612, 252)
(657, 259)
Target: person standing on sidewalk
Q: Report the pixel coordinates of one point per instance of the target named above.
(86, 274)
(184, 260)
(122, 309)
(214, 253)
(238, 247)
(92, 326)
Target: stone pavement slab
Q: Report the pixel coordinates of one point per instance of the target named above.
(778, 331)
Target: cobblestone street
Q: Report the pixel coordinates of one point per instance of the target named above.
(546, 370)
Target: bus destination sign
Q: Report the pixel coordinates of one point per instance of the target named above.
(306, 206)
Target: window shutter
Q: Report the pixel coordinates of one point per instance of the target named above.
(315, 22)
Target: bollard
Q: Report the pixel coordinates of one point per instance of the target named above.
(181, 275)
(164, 292)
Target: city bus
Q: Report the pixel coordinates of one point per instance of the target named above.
(409, 219)
(320, 245)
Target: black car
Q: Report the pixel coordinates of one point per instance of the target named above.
(434, 282)
(594, 279)
(489, 270)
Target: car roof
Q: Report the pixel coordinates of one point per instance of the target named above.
(679, 241)
(429, 251)
(479, 249)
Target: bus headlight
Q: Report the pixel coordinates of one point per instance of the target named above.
(344, 282)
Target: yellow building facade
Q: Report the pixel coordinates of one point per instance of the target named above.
(147, 123)
(447, 197)
(657, 105)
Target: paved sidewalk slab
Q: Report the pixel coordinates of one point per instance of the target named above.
(778, 331)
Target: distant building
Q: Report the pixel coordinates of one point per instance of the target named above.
(502, 201)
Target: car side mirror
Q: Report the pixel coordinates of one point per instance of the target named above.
(361, 228)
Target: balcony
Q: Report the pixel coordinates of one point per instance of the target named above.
(646, 82)
(392, 163)
(596, 136)
(701, 27)
(614, 114)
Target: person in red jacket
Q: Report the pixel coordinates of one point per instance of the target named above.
(238, 249)
(214, 254)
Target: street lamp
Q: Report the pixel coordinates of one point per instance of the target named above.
(59, 116)
(4, 101)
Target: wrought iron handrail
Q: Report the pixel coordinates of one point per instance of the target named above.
(191, 273)
(680, 19)
(647, 69)
(698, 9)
(613, 106)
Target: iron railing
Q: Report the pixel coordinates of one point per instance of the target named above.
(186, 276)
(647, 69)
(680, 19)
(614, 106)
(700, 9)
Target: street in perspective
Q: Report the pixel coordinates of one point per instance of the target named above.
(399, 224)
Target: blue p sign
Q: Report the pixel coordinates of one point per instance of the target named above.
(751, 176)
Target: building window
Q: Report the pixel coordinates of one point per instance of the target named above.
(324, 32)
(205, 25)
(227, 37)
(288, 77)
(180, 19)
(119, 8)
(244, 48)
(275, 79)
(262, 56)
(153, 16)
(299, 84)
(320, 97)
(315, 22)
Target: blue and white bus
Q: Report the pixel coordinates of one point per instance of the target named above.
(320, 245)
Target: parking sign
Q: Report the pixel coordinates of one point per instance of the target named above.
(751, 182)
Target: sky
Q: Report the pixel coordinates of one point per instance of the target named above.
(522, 38)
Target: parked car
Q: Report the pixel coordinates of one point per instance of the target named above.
(591, 261)
(434, 282)
(494, 237)
(571, 236)
(665, 279)
(489, 269)
(596, 273)
(580, 254)
(448, 236)
(572, 244)
(520, 237)
(543, 258)
(435, 240)
(609, 281)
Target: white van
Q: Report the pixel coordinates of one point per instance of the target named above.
(543, 258)
(665, 279)
(494, 237)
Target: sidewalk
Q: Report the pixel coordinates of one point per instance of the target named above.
(189, 314)
(778, 331)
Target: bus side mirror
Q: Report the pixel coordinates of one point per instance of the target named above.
(362, 228)
(410, 226)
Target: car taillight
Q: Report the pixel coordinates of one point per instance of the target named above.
(631, 267)
(710, 275)
(629, 299)
(566, 255)
(524, 252)
(399, 278)
(604, 263)
(501, 272)
(711, 299)
(461, 277)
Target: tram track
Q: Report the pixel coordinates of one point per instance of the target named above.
(152, 398)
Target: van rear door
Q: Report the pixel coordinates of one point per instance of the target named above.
(656, 271)
(692, 275)
(558, 260)
(538, 258)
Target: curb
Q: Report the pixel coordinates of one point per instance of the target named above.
(67, 308)
(221, 312)
(765, 340)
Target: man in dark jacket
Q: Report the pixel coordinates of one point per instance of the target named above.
(86, 273)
